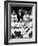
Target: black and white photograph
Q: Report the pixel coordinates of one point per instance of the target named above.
(20, 22)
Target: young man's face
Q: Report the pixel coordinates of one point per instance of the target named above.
(13, 12)
(25, 12)
(19, 13)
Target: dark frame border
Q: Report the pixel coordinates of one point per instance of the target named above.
(6, 29)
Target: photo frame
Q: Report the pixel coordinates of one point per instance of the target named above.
(27, 33)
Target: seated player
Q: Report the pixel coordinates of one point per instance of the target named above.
(26, 16)
(19, 15)
(13, 18)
